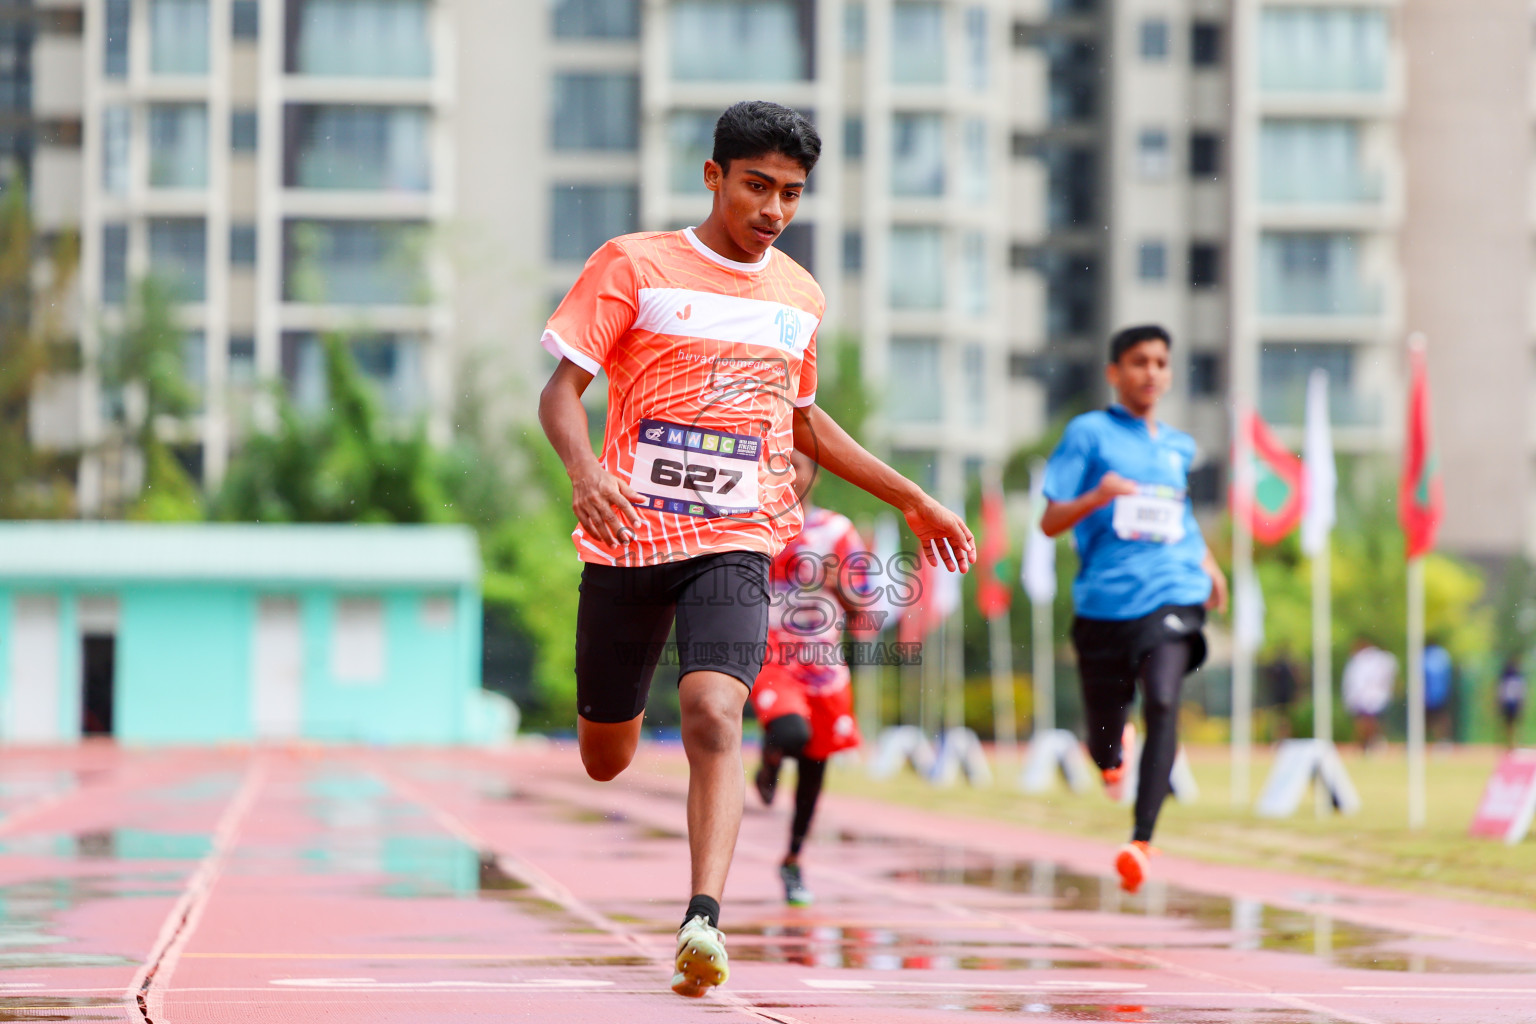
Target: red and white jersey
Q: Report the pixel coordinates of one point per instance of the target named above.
(812, 593)
(706, 359)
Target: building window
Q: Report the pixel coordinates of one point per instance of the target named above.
(1075, 75)
(245, 19)
(974, 374)
(586, 216)
(1154, 161)
(853, 250)
(691, 141)
(1308, 273)
(917, 268)
(242, 131)
(973, 274)
(1284, 368)
(392, 365)
(16, 41)
(596, 111)
(1204, 265)
(242, 359)
(1324, 49)
(354, 262)
(178, 37)
(242, 245)
(178, 255)
(1314, 160)
(741, 41)
(853, 137)
(976, 47)
(916, 383)
(1205, 44)
(854, 30)
(1204, 155)
(116, 139)
(975, 163)
(114, 263)
(360, 38)
(1152, 262)
(194, 363)
(1154, 39)
(115, 55)
(178, 145)
(1072, 192)
(597, 19)
(357, 147)
(357, 641)
(917, 167)
(917, 43)
(1204, 375)
(1204, 485)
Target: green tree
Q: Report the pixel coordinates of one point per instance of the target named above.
(343, 464)
(33, 484)
(145, 365)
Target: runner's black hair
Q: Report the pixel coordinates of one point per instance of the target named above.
(1130, 337)
(756, 127)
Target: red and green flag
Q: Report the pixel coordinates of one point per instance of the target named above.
(1279, 496)
(993, 592)
(1421, 496)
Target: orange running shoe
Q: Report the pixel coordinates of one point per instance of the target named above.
(1133, 864)
(1114, 782)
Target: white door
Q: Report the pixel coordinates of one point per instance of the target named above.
(34, 713)
(277, 673)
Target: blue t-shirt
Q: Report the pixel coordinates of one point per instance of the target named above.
(1439, 672)
(1128, 572)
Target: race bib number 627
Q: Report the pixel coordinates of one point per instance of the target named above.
(694, 471)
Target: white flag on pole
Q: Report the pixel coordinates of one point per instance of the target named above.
(1039, 569)
(1249, 626)
(1322, 478)
(946, 585)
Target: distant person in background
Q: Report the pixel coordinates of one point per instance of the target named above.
(1370, 676)
(1280, 681)
(1439, 683)
(1511, 699)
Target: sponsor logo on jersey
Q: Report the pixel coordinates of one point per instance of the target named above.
(695, 439)
(685, 312)
(711, 443)
(654, 434)
(727, 445)
(747, 447)
(695, 510)
(674, 437)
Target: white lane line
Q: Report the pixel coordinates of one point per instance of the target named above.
(552, 890)
(1448, 989)
(147, 990)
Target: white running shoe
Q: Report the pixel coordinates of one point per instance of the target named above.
(701, 960)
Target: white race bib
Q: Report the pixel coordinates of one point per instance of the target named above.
(692, 471)
(1154, 514)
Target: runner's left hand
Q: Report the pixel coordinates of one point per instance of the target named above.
(1218, 599)
(933, 525)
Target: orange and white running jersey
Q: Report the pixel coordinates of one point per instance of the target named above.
(706, 359)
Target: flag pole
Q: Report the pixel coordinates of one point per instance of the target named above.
(1042, 595)
(1243, 591)
(1005, 725)
(1416, 801)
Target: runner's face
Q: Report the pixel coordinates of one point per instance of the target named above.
(756, 199)
(1142, 376)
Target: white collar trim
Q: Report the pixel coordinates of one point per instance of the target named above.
(714, 257)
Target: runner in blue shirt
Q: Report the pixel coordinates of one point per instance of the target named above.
(1119, 479)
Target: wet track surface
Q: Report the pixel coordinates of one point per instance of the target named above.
(382, 886)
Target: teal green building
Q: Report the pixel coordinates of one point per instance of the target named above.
(214, 633)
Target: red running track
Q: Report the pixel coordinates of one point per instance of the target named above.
(221, 887)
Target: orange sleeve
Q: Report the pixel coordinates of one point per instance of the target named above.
(806, 396)
(599, 309)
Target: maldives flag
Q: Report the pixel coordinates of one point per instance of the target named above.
(1279, 495)
(993, 594)
(1421, 497)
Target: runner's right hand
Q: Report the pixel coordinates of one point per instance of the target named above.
(605, 506)
(1112, 486)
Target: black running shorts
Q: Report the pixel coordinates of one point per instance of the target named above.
(720, 603)
(1110, 651)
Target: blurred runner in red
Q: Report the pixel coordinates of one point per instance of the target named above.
(804, 695)
(708, 338)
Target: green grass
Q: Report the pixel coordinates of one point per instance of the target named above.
(1373, 847)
